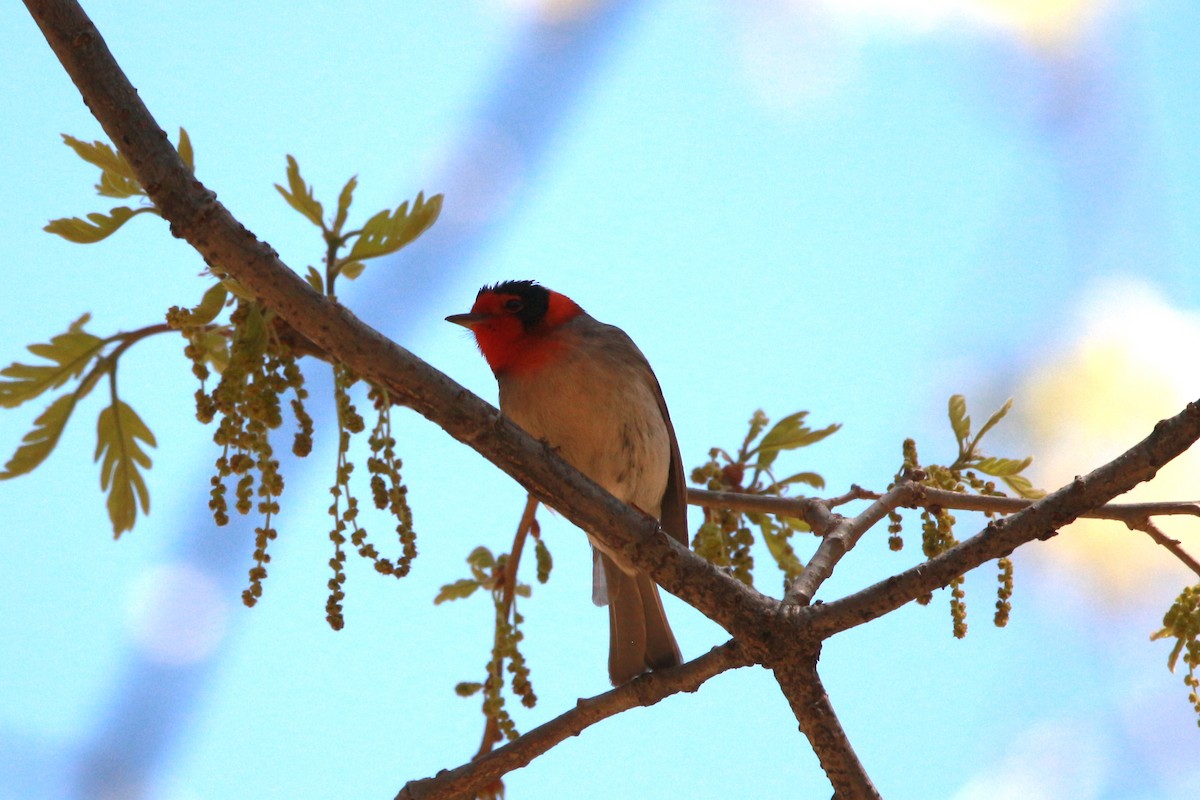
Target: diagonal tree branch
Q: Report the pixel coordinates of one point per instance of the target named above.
(1172, 545)
(196, 216)
(787, 642)
(643, 691)
(1041, 520)
(806, 694)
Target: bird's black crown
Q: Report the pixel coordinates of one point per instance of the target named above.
(531, 300)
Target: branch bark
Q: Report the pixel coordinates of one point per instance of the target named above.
(785, 638)
(806, 694)
(195, 215)
(1041, 520)
(466, 780)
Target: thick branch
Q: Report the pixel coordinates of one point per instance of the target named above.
(647, 690)
(1041, 520)
(819, 723)
(196, 216)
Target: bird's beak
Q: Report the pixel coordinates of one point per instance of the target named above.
(466, 320)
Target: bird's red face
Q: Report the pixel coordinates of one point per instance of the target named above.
(516, 324)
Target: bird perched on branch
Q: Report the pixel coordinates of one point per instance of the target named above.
(584, 388)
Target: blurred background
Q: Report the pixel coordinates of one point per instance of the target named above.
(855, 208)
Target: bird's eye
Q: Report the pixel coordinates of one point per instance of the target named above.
(513, 306)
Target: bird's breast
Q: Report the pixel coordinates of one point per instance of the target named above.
(603, 417)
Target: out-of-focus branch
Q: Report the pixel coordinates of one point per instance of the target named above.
(646, 690)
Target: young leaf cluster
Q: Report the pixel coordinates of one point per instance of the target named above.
(117, 180)
(384, 233)
(251, 352)
(81, 359)
(964, 475)
(725, 538)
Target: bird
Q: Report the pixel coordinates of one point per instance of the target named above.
(585, 389)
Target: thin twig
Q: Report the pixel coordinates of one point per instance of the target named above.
(1147, 526)
(646, 690)
(1122, 512)
(764, 504)
(958, 501)
(839, 541)
(528, 520)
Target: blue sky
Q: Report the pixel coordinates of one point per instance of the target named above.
(855, 209)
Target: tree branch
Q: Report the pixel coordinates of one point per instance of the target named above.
(842, 538)
(810, 703)
(1154, 532)
(196, 216)
(761, 634)
(1040, 520)
(642, 691)
(928, 497)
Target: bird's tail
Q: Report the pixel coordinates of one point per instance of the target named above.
(640, 638)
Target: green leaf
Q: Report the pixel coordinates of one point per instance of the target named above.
(70, 352)
(352, 269)
(315, 280)
(481, 558)
(116, 176)
(467, 688)
(991, 423)
(808, 478)
(795, 523)
(40, 442)
(216, 350)
(1173, 659)
(544, 562)
(1022, 486)
(185, 150)
(237, 290)
(1003, 467)
(789, 433)
(387, 232)
(210, 304)
(252, 334)
(300, 196)
(459, 590)
(959, 420)
(96, 227)
(344, 200)
(118, 432)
